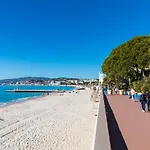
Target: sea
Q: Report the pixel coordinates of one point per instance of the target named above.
(12, 97)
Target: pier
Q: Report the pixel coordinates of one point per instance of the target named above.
(35, 91)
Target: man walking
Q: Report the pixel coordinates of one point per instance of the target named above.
(147, 97)
(143, 100)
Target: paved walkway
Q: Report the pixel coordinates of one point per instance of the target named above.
(129, 127)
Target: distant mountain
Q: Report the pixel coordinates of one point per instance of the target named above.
(23, 79)
(64, 78)
(8, 81)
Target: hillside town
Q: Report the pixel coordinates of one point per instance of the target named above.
(56, 81)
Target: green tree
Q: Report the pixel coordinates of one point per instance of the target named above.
(129, 62)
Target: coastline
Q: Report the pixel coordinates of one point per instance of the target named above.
(20, 100)
(51, 122)
(33, 97)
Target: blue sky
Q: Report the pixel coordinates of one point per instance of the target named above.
(65, 38)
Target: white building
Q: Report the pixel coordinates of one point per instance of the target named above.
(76, 81)
(101, 77)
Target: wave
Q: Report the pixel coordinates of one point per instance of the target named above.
(19, 100)
(3, 104)
(25, 98)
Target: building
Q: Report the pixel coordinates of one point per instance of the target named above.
(101, 77)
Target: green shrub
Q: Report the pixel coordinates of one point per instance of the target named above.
(141, 85)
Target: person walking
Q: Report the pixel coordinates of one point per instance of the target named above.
(143, 100)
(129, 94)
(147, 97)
(133, 94)
(116, 91)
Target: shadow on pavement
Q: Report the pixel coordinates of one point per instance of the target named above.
(116, 139)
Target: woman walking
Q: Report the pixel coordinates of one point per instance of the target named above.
(133, 94)
(116, 91)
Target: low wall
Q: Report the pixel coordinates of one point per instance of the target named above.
(101, 137)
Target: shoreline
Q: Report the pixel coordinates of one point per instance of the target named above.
(52, 122)
(21, 100)
(24, 99)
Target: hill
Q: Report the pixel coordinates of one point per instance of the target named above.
(22, 79)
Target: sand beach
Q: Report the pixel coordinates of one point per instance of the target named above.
(52, 122)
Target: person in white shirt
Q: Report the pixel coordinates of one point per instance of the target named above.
(116, 91)
(133, 94)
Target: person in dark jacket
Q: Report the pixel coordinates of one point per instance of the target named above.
(143, 100)
(147, 97)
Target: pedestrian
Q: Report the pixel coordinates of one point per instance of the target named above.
(133, 94)
(129, 94)
(147, 97)
(143, 100)
(116, 91)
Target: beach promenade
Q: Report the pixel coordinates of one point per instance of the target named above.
(128, 125)
(53, 122)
